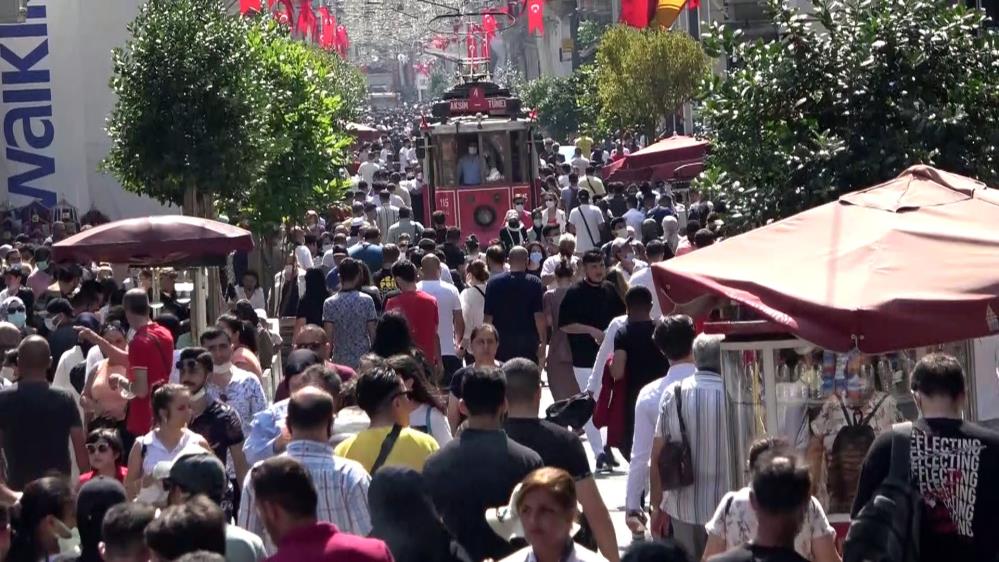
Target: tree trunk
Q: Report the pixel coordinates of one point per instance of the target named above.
(207, 288)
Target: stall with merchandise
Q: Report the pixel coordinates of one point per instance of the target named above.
(825, 314)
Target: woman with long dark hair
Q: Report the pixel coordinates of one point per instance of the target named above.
(415, 532)
(45, 527)
(244, 343)
(392, 336)
(428, 413)
(310, 306)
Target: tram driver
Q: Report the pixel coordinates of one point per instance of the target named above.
(471, 166)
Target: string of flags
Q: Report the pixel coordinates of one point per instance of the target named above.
(322, 30)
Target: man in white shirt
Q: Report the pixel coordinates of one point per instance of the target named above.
(451, 324)
(368, 168)
(399, 194)
(302, 252)
(586, 220)
(566, 250)
(579, 162)
(387, 213)
(590, 182)
(404, 155)
(655, 250)
(674, 338)
(634, 217)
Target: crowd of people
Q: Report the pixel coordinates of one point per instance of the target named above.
(125, 439)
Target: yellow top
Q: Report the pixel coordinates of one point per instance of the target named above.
(411, 449)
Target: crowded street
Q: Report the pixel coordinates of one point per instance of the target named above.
(499, 281)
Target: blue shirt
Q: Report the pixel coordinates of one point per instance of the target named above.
(470, 170)
(264, 429)
(371, 254)
(333, 279)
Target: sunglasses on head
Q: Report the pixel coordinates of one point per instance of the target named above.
(98, 448)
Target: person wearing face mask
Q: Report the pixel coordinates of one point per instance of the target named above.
(59, 329)
(13, 310)
(587, 222)
(169, 440)
(519, 205)
(535, 258)
(46, 528)
(342, 484)
(239, 388)
(514, 233)
(213, 419)
(384, 397)
(623, 254)
(471, 167)
(13, 279)
(10, 337)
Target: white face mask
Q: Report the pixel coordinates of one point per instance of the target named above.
(550, 204)
(621, 233)
(69, 545)
(519, 207)
(51, 323)
(223, 368)
(7, 373)
(199, 394)
(473, 150)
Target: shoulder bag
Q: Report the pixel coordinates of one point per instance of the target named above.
(387, 446)
(676, 469)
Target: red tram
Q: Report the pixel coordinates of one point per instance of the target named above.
(479, 152)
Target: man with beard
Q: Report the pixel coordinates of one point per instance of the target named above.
(213, 419)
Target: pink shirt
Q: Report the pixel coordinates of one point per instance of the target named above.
(323, 542)
(39, 282)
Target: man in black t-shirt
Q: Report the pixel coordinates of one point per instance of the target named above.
(780, 495)
(479, 468)
(382, 278)
(558, 447)
(585, 312)
(954, 462)
(214, 420)
(37, 422)
(514, 304)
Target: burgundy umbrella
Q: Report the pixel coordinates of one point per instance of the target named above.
(911, 262)
(659, 161)
(155, 241)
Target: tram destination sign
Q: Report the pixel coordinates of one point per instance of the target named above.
(477, 101)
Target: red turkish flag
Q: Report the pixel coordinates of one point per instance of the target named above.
(536, 16)
(693, 4)
(328, 29)
(342, 42)
(637, 13)
(249, 6)
(306, 20)
(284, 18)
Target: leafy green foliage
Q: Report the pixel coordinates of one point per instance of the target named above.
(566, 105)
(235, 108)
(305, 143)
(644, 76)
(823, 111)
(186, 113)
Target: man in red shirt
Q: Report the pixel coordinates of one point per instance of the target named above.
(150, 356)
(419, 308)
(286, 501)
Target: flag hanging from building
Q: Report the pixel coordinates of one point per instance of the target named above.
(284, 17)
(637, 13)
(667, 12)
(306, 26)
(536, 16)
(328, 28)
(246, 6)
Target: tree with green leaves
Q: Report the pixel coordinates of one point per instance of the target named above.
(305, 140)
(233, 108)
(847, 102)
(565, 105)
(188, 113)
(644, 76)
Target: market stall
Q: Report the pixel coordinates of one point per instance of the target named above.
(658, 161)
(826, 312)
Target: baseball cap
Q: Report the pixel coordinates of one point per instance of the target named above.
(199, 473)
(298, 361)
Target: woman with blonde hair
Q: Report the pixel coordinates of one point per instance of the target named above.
(543, 510)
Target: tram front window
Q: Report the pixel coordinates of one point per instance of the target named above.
(472, 167)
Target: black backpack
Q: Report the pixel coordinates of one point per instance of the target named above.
(849, 449)
(887, 528)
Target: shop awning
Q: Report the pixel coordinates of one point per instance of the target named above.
(911, 262)
(658, 161)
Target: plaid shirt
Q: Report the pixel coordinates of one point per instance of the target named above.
(342, 486)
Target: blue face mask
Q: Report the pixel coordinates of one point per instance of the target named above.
(536, 257)
(42, 265)
(18, 319)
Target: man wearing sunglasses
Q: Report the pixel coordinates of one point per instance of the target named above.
(314, 339)
(383, 395)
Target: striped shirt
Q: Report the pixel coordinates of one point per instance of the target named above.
(704, 415)
(342, 486)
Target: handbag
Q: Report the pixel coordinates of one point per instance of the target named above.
(676, 469)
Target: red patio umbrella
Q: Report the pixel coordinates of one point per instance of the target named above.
(911, 262)
(658, 161)
(363, 132)
(155, 241)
